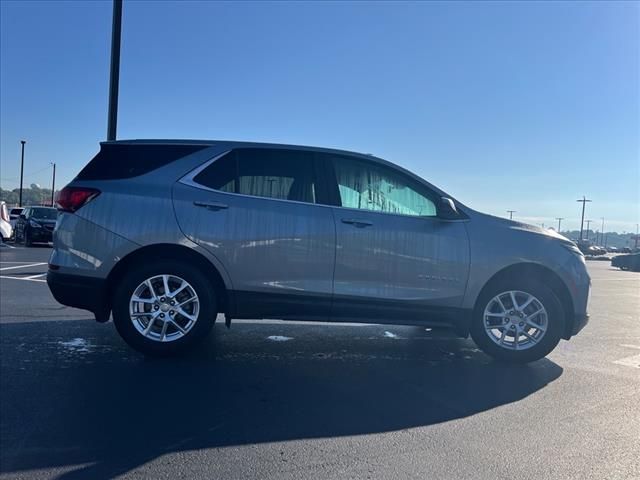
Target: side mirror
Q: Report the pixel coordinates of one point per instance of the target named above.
(448, 210)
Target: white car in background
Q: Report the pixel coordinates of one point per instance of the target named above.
(6, 230)
(14, 213)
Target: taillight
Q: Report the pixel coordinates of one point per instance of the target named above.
(70, 199)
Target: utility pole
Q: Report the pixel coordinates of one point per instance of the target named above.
(601, 231)
(588, 223)
(114, 78)
(21, 171)
(559, 221)
(584, 201)
(53, 183)
(511, 212)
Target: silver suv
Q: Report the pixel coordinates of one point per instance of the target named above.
(167, 234)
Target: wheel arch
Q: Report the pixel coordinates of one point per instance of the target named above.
(538, 272)
(172, 252)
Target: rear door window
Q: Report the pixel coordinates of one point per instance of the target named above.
(260, 172)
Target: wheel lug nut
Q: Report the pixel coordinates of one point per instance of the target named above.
(171, 312)
(162, 299)
(522, 324)
(172, 302)
(162, 315)
(155, 307)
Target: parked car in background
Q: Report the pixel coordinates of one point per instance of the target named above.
(627, 262)
(6, 230)
(35, 225)
(14, 214)
(286, 232)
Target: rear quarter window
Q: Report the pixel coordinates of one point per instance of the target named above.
(117, 161)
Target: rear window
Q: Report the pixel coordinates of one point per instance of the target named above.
(116, 161)
(44, 213)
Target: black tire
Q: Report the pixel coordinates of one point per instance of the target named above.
(134, 277)
(27, 239)
(555, 326)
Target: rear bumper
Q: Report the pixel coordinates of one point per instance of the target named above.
(78, 291)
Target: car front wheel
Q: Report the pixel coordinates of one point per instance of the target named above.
(164, 308)
(518, 322)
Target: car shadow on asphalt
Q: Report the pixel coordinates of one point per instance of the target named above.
(74, 395)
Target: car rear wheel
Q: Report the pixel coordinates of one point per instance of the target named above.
(518, 322)
(164, 308)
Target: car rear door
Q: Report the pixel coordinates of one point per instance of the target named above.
(395, 259)
(257, 210)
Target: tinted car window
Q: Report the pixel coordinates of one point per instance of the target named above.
(125, 160)
(368, 186)
(272, 173)
(44, 213)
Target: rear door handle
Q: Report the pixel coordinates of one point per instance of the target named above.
(211, 205)
(357, 222)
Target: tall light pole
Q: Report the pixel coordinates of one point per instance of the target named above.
(21, 171)
(559, 221)
(584, 202)
(511, 212)
(53, 183)
(114, 78)
(601, 231)
(588, 223)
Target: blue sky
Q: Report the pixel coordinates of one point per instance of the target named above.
(513, 105)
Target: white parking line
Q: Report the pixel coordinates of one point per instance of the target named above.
(24, 278)
(22, 266)
(35, 276)
(632, 361)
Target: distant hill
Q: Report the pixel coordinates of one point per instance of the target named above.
(612, 239)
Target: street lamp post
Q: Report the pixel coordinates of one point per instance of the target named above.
(584, 202)
(114, 78)
(21, 171)
(53, 183)
(588, 223)
(511, 212)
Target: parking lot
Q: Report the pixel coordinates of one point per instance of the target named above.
(276, 400)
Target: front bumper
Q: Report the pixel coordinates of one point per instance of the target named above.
(79, 291)
(41, 235)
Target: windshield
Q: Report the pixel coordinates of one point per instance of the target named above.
(45, 213)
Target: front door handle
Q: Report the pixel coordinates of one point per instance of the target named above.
(357, 222)
(215, 206)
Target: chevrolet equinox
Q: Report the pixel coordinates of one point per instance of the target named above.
(164, 235)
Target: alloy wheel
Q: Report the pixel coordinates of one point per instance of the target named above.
(515, 320)
(164, 308)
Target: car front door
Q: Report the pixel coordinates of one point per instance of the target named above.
(395, 259)
(257, 210)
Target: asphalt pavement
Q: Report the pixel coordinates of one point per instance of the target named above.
(292, 400)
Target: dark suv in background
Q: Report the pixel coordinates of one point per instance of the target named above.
(35, 225)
